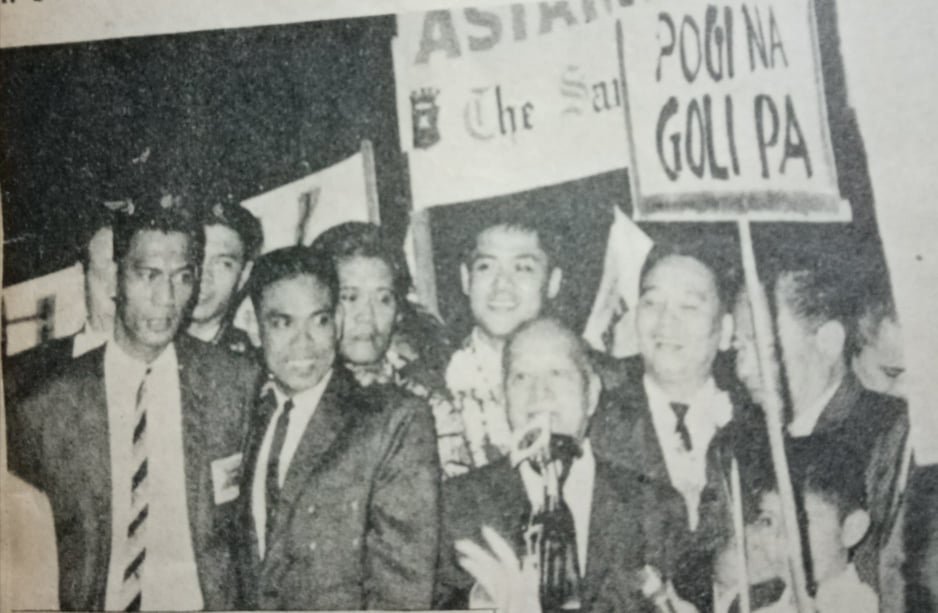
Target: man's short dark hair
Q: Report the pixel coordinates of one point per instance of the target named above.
(821, 294)
(289, 263)
(236, 217)
(877, 307)
(714, 255)
(528, 219)
(360, 239)
(166, 214)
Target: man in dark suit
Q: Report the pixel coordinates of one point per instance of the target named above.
(621, 521)
(669, 402)
(666, 407)
(816, 316)
(343, 481)
(136, 444)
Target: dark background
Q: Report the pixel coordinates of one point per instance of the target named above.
(238, 112)
(234, 112)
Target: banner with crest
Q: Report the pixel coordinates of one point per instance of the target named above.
(499, 101)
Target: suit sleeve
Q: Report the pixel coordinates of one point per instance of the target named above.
(883, 474)
(24, 438)
(403, 531)
(452, 583)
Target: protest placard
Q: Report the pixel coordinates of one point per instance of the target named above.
(726, 113)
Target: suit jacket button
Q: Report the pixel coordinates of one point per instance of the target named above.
(312, 546)
(355, 542)
(311, 508)
(354, 505)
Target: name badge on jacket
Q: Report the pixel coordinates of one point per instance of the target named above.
(226, 478)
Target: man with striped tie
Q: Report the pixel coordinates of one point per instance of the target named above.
(137, 443)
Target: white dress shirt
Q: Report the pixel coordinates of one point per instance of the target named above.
(846, 592)
(577, 493)
(304, 405)
(87, 339)
(804, 423)
(709, 410)
(170, 577)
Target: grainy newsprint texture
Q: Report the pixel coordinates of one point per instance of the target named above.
(582, 305)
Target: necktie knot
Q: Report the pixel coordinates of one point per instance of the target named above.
(680, 412)
(288, 406)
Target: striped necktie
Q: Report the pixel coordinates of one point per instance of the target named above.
(135, 551)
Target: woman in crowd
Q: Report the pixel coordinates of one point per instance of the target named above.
(386, 338)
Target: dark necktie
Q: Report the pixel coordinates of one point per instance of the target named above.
(273, 468)
(680, 411)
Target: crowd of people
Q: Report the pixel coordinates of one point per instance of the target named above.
(353, 456)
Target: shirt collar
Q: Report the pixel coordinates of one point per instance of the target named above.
(87, 339)
(582, 472)
(116, 356)
(719, 408)
(483, 348)
(307, 398)
(804, 423)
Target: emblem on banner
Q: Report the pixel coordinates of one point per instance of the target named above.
(426, 114)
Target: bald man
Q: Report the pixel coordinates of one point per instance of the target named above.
(621, 522)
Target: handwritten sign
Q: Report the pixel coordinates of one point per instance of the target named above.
(500, 101)
(726, 113)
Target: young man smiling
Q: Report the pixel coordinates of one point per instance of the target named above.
(509, 276)
(342, 481)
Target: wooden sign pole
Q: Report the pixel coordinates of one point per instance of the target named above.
(736, 498)
(371, 181)
(772, 408)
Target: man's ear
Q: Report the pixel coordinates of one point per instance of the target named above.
(595, 388)
(854, 528)
(245, 275)
(553, 282)
(464, 278)
(830, 339)
(727, 326)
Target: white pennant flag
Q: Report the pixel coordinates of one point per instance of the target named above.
(611, 325)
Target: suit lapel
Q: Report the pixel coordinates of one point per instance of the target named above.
(642, 438)
(92, 442)
(93, 432)
(259, 421)
(192, 401)
(602, 551)
(333, 415)
(510, 503)
(841, 404)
